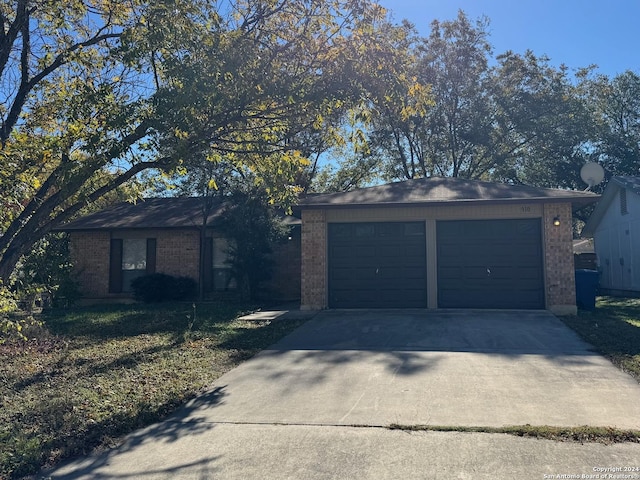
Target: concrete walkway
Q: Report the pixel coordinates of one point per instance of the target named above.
(313, 405)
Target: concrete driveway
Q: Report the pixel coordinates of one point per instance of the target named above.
(290, 412)
(453, 368)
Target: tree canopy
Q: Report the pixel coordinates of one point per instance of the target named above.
(445, 105)
(97, 96)
(95, 92)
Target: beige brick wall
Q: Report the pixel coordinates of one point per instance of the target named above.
(558, 259)
(314, 260)
(90, 257)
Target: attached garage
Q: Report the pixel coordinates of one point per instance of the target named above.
(490, 264)
(377, 265)
(440, 243)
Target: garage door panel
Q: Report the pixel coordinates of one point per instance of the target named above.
(490, 264)
(352, 275)
(346, 253)
(401, 251)
(377, 265)
(402, 275)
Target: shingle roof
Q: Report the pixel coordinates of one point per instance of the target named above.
(632, 184)
(172, 212)
(148, 213)
(442, 191)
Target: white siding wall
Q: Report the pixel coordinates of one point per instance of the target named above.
(617, 244)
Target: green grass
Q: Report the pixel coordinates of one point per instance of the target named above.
(95, 374)
(614, 329)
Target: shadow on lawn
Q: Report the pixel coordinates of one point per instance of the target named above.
(102, 322)
(98, 324)
(170, 430)
(608, 328)
(90, 367)
(249, 340)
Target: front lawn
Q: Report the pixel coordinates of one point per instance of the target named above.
(614, 329)
(98, 373)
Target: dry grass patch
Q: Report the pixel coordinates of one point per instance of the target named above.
(94, 374)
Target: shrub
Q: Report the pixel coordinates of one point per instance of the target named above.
(159, 287)
(14, 326)
(46, 273)
(185, 288)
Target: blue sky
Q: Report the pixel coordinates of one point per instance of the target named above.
(576, 33)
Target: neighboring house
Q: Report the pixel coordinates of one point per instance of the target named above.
(440, 243)
(615, 228)
(112, 247)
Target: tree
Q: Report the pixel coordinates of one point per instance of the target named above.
(429, 118)
(457, 111)
(96, 92)
(74, 113)
(614, 104)
(391, 107)
(542, 123)
(252, 228)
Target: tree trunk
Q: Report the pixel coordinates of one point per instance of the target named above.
(10, 258)
(40, 223)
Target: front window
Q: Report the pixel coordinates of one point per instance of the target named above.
(134, 261)
(222, 279)
(134, 254)
(129, 259)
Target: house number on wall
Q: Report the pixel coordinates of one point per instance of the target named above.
(525, 209)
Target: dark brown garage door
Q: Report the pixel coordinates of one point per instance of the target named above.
(490, 264)
(377, 265)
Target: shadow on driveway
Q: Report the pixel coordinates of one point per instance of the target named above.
(170, 431)
(454, 368)
(376, 368)
(482, 331)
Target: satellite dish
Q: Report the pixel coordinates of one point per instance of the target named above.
(592, 174)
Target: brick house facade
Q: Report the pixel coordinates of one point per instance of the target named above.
(383, 246)
(167, 232)
(434, 203)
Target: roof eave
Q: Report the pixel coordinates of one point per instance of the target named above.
(598, 213)
(577, 202)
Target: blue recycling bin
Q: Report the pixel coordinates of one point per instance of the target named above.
(586, 288)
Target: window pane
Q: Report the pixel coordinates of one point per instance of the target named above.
(365, 230)
(134, 254)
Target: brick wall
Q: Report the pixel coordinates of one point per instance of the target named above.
(284, 284)
(178, 252)
(314, 260)
(90, 257)
(558, 258)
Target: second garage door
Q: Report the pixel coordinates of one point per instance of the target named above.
(377, 265)
(490, 264)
